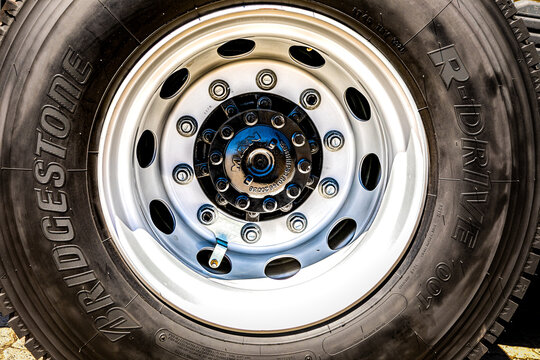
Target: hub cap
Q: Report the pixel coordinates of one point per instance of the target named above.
(262, 169)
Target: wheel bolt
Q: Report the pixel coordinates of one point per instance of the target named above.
(207, 215)
(216, 157)
(219, 90)
(266, 79)
(334, 140)
(329, 188)
(183, 174)
(227, 132)
(242, 202)
(221, 200)
(304, 166)
(250, 119)
(186, 126)
(270, 205)
(208, 135)
(297, 222)
(293, 191)
(310, 99)
(251, 233)
(231, 110)
(298, 139)
(278, 121)
(264, 103)
(314, 147)
(222, 184)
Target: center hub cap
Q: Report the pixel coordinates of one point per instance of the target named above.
(260, 161)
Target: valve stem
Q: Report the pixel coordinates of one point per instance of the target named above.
(219, 252)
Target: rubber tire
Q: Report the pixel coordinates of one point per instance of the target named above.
(460, 281)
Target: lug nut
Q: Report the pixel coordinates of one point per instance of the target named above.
(251, 233)
(264, 103)
(334, 140)
(278, 121)
(298, 139)
(310, 99)
(219, 90)
(221, 200)
(208, 136)
(222, 184)
(304, 166)
(270, 205)
(297, 222)
(207, 215)
(231, 110)
(314, 147)
(186, 126)
(242, 202)
(204, 170)
(183, 174)
(329, 188)
(250, 119)
(293, 191)
(216, 158)
(266, 79)
(227, 132)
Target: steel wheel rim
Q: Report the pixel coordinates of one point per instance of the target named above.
(159, 260)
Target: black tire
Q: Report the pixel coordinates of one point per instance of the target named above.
(474, 253)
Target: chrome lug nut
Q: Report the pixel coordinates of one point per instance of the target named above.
(219, 90)
(207, 215)
(270, 205)
(298, 139)
(251, 119)
(222, 184)
(293, 191)
(329, 188)
(242, 202)
(216, 158)
(186, 126)
(334, 140)
(310, 99)
(227, 132)
(266, 79)
(314, 147)
(251, 233)
(183, 174)
(264, 103)
(304, 166)
(297, 222)
(278, 121)
(221, 200)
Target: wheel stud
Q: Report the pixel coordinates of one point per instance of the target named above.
(298, 139)
(310, 99)
(297, 222)
(329, 188)
(314, 147)
(293, 191)
(250, 119)
(219, 90)
(221, 200)
(207, 215)
(208, 136)
(183, 174)
(216, 158)
(304, 166)
(222, 184)
(270, 205)
(251, 233)
(264, 103)
(227, 132)
(334, 140)
(242, 202)
(186, 126)
(278, 121)
(266, 79)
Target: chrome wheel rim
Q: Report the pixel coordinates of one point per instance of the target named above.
(319, 257)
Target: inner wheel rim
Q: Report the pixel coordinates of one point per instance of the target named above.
(372, 183)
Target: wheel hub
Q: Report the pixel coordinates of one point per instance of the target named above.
(259, 160)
